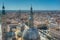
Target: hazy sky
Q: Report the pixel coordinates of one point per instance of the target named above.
(36, 4)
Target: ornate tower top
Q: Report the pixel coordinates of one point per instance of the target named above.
(3, 9)
(31, 17)
(31, 9)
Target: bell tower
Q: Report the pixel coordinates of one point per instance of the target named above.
(32, 33)
(31, 17)
(4, 26)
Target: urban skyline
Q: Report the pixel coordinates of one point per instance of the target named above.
(25, 4)
(29, 20)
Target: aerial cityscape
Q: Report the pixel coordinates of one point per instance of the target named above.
(29, 20)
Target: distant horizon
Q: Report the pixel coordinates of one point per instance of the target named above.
(37, 10)
(33, 10)
(29, 10)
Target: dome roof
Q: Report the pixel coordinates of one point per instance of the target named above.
(31, 34)
(19, 34)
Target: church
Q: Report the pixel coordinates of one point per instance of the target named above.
(21, 31)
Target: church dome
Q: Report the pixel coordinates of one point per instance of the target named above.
(19, 34)
(31, 34)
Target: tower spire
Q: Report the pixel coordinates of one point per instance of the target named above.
(31, 17)
(3, 6)
(3, 9)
